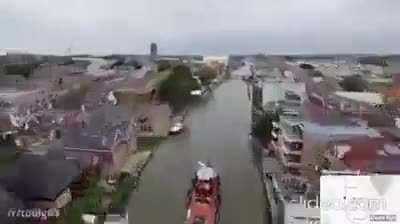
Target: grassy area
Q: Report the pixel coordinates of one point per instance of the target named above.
(121, 196)
(152, 144)
(90, 203)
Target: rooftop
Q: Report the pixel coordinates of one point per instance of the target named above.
(368, 154)
(99, 129)
(45, 176)
(362, 97)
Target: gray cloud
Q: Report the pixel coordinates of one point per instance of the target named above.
(201, 26)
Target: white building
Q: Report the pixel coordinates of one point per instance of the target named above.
(290, 143)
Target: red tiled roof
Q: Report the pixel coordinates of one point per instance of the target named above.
(363, 152)
(393, 92)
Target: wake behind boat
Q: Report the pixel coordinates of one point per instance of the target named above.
(203, 200)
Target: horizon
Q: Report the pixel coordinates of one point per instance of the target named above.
(323, 54)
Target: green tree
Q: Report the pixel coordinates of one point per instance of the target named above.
(263, 127)
(206, 74)
(177, 87)
(124, 189)
(319, 157)
(306, 66)
(163, 65)
(20, 69)
(316, 73)
(354, 83)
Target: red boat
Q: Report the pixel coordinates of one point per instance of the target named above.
(203, 199)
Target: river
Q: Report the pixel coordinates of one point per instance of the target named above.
(218, 132)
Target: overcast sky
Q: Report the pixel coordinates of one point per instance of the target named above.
(201, 26)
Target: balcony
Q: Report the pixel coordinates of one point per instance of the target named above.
(293, 161)
(292, 131)
(295, 148)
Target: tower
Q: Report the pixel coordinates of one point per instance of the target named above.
(153, 51)
(256, 98)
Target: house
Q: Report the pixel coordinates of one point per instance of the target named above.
(316, 141)
(392, 95)
(364, 105)
(7, 130)
(357, 102)
(295, 200)
(42, 181)
(366, 154)
(354, 154)
(106, 135)
(319, 88)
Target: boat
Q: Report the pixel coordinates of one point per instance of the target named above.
(177, 125)
(176, 128)
(203, 199)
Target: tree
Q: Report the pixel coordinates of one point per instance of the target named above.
(319, 157)
(317, 73)
(263, 127)
(206, 74)
(354, 83)
(163, 65)
(20, 69)
(306, 66)
(177, 87)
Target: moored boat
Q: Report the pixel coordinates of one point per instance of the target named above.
(203, 200)
(177, 125)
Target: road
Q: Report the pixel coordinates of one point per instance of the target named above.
(218, 131)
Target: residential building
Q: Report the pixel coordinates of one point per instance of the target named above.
(290, 143)
(320, 88)
(292, 199)
(6, 128)
(367, 106)
(42, 181)
(356, 102)
(106, 135)
(365, 154)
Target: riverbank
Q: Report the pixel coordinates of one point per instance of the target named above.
(100, 197)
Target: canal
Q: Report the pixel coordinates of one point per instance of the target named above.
(218, 132)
